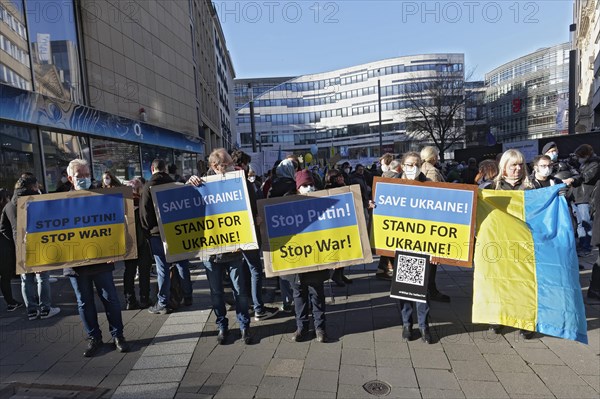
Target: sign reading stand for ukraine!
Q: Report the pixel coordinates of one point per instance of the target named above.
(75, 228)
(322, 230)
(433, 218)
(207, 220)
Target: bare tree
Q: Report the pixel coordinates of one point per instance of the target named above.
(435, 110)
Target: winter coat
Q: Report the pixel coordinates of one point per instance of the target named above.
(431, 172)
(147, 212)
(589, 173)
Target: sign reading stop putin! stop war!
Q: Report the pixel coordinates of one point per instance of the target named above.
(323, 230)
(432, 218)
(207, 220)
(76, 228)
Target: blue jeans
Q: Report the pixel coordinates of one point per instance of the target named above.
(584, 225)
(164, 278)
(214, 273)
(422, 313)
(252, 260)
(29, 289)
(107, 292)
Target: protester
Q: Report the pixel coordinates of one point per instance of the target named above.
(64, 185)
(583, 184)
(488, 170)
(8, 261)
(345, 169)
(283, 185)
(542, 170)
(150, 226)
(551, 150)
(219, 163)
(358, 177)
(309, 286)
(468, 174)
(140, 266)
(84, 278)
(32, 284)
(109, 180)
(512, 176)
(174, 175)
(252, 260)
(385, 267)
(594, 288)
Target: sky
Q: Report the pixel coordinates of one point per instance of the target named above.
(292, 38)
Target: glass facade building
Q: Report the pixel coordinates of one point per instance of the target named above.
(49, 113)
(528, 98)
(338, 111)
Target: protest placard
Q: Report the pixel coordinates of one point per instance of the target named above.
(207, 220)
(75, 228)
(322, 230)
(433, 218)
(411, 276)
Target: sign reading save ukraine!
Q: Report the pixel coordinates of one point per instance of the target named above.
(433, 218)
(321, 230)
(76, 228)
(207, 220)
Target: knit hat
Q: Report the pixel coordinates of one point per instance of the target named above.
(304, 178)
(550, 145)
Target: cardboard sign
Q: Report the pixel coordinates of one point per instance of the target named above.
(433, 218)
(411, 274)
(75, 228)
(321, 230)
(207, 220)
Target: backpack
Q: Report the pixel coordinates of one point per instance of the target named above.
(176, 291)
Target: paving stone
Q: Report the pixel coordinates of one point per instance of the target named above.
(193, 380)
(170, 374)
(507, 363)
(463, 352)
(277, 387)
(325, 380)
(292, 350)
(398, 377)
(189, 395)
(256, 357)
(593, 380)
(177, 330)
(394, 362)
(437, 379)
(236, 391)
(302, 394)
(429, 359)
(363, 357)
(478, 370)
(285, 368)
(389, 334)
(159, 391)
(482, 389)
(522, 384)
(557, 375)
(497, 345)
(213, 383)
(573, 391)
(392, 350)
(322, 361)
(351, 392)
(218, 364)
(405, 393)
(442, 393)
(173, 349)
(164, 361)
(245, 375)
(351, 374)
(361, 340)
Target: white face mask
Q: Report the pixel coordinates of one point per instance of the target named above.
(252, 179)
(83, 183)
(544, 172)
(411, 172)
(306, 189)
(107, 182)
(347, 170)
(385, 168)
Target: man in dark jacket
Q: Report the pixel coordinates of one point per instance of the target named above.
(84, 278)
(150, 227)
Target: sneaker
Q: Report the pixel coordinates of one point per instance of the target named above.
(11, 307)
(321, 336)
(33, 314)
(121, 345)
(287, 308)
(159, 309)
(266, 313)
(47, 313)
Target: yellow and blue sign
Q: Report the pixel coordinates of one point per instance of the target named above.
(432, 218)
(306, 233)
(526, 268)
(66, 230)
(201, 221)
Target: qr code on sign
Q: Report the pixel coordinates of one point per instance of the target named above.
(411, 270)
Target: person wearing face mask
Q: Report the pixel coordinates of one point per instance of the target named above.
(551, 150)
(411, 163)
(542, 173)
(109, 180)
(85, 278)
(384, 162)
(31, 283)
(309, 286)
(64, 184)
(345, 169)
(149, 224)
(583, 185)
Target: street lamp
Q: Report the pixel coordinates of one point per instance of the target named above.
(379, 102)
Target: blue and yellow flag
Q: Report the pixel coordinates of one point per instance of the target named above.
(526, 268)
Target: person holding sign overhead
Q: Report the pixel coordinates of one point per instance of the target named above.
(84, 278)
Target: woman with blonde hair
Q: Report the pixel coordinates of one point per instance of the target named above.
(430, 155)
(513, 173)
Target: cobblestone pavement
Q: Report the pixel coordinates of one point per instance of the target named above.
(176, 355)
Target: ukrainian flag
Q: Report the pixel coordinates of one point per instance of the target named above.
(526, 269)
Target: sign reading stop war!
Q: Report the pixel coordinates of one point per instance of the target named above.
(207, 220)
(432, 218)
(74, 229)
(322, 230)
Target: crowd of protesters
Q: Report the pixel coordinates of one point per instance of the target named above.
(302, 294)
